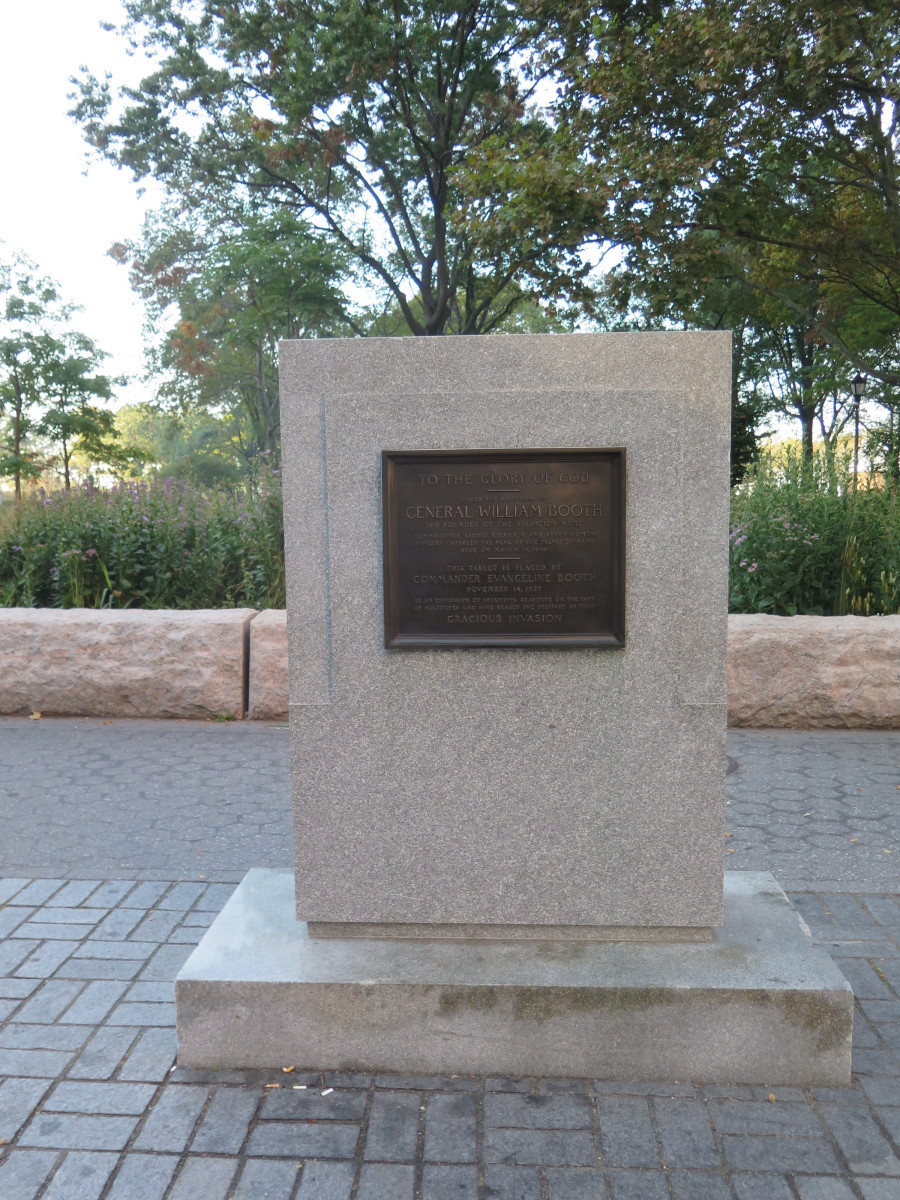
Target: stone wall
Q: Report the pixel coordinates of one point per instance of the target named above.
(126, 663)
(783, 672)
(814, 672)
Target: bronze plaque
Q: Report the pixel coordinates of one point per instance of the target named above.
(504, 547)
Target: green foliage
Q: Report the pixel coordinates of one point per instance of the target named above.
(196, 446)
(803, 540)
(157, 544)
(353, 116)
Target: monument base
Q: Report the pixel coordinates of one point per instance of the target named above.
(759, 1003)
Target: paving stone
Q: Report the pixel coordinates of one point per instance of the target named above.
(53, 998)
(94, 1002)
(638, 1185)
(549, 1147)
(863, 1144)
(812, 1155)
(17, 989)
(33, 1063)
(224, 1127)
(699, 1185)
(182, 896)
(7, 1007)
(117, 925)
(145, 894)
(626, 1132)
(151, 1056)
(18, 1100)
(450, 1128)
(46, 959)
(386, 1181)
(511, 1183)
(99, 968)
(882, 1091)
(879, 1189)
(537, 1112)
(103, 1053)
(143, 1014)
(12, 917)
(109, 894)
(393, 1126)
(215, 897)
(567, 1184)
(261, 1180)
(759, 1117)
(144, 1177)
(151, 993)
(45, 929)
(326, 1181)
(9, 888)
(127, 951)
(207, 1177)
(13, 954)
(849, 1095)
(823, 1187)
(297, 1139)
(686, 1134)
(119, 1099)
(761, 1186)
(450, 1182)
(39, 891)
(69, 916)
(156, 926)
(23, 1172)
(65, 1131)
(310, 1105)
(669, 1090)
(16, 1036)
(171, 1121)
(82, 1175)
(166, 963)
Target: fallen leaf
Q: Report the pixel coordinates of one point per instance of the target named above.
(772, 1098)
(106, 722)
(730, 851)
(729, 835)
(884, 850)
(35, 716)
(854, 839)
(287, 1070)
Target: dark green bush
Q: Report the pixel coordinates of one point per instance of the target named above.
(804, 540)
(162, 544)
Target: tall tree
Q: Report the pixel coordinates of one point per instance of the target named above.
(236, 282)
(710, 130)
(69, 381)
(351, 114)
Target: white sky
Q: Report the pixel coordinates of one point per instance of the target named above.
(62, 218)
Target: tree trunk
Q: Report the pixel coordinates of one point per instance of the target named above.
(65, 452)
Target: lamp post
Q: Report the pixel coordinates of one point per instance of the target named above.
(857, 387)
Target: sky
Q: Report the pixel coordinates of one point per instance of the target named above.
(61, 208)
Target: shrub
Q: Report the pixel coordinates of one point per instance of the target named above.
(162, 544)
(803, 540)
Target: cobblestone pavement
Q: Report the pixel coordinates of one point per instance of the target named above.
(209, 800)
(91, 1107)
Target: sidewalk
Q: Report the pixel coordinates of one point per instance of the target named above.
(91, 1109)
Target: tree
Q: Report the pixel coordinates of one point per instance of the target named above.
(238, 281)
(30, 306)
(349, 114)
(69, 419)
(748, 141)
(47, 376)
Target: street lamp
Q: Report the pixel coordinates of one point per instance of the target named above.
(857, 387)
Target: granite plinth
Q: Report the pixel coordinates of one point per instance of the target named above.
(758, 1003)
(508, 786)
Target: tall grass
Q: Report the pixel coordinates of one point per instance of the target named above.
(804, 540)
(160, 544)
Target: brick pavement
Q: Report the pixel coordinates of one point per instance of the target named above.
(92, 1109)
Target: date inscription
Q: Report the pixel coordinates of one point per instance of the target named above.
(504, 547)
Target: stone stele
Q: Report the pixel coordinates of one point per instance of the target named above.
(504, 855)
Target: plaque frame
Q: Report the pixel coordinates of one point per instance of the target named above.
(611, 638)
